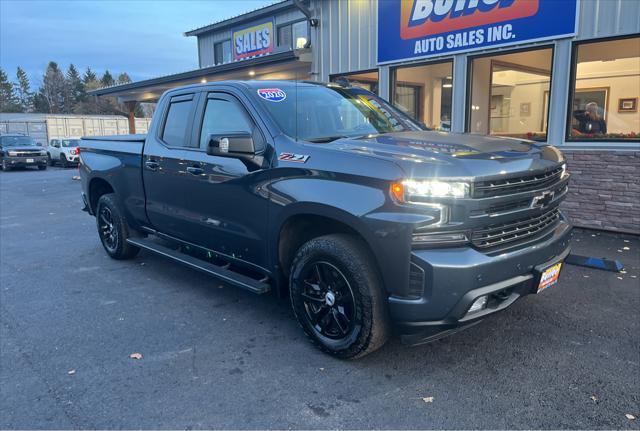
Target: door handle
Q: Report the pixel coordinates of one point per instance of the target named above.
(152, 165)
(195, 170)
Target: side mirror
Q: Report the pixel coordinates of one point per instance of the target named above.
(238, 145)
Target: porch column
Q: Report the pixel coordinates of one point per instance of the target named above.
(131, 107)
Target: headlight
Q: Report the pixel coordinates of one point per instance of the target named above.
(13, 153)
(43, 153)
(564, 170)
(433, 189)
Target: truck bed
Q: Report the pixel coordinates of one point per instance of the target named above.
(140, 137)
(115, 144)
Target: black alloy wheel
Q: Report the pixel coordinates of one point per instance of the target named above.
(338, 297)
(328, 300)
(113, 228)
(107, 230)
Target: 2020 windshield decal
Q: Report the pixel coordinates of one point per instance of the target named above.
(272, 94)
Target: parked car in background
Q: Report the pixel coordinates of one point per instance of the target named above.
(19, 151)
(63, 151)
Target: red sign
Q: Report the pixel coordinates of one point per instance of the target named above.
(428, 17)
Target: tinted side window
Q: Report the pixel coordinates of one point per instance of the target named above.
(175, 126)
(223, 116)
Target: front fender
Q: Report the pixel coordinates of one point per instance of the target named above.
(365, 208)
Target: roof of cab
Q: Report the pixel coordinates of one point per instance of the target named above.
(247, 84)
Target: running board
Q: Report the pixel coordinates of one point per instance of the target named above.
(226, 275)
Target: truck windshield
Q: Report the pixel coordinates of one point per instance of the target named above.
(70, 142)
(318, 113)
(17, 141)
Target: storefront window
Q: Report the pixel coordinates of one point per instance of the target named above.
(222, 52)
(293, 36)
(424, 93)
(605, 91)
(510, 94)
(366, 80)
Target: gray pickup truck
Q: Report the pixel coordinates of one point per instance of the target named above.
(331, 196)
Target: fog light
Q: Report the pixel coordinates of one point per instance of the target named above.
(478, 304)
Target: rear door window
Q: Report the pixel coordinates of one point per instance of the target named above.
(176, 124)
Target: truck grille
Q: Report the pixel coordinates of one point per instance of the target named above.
(515, 230)
(27, 153)
(506, 186)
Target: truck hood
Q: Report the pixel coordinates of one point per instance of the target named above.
(442, 154)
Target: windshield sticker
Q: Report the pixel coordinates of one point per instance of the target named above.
(290, 157)
(272, 94)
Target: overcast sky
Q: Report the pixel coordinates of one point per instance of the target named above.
(141, 37)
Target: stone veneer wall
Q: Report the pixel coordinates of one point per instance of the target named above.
(604, 192)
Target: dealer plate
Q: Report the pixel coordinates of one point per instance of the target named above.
(549, 277)
(30, 160)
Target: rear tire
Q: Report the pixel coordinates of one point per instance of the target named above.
(113, 229)
(338, 298)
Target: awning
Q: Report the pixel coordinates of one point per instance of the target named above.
(294, 65)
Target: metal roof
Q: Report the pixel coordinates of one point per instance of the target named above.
(247, 16)
(199, 73)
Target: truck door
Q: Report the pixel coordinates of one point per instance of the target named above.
(215, 202)
(167, 155)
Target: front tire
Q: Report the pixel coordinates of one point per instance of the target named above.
(42, 167)
(5, 167)
(63, 161)
(338, 297)
(113, 229)
(50, 160)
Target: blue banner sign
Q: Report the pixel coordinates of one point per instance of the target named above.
(409, 29)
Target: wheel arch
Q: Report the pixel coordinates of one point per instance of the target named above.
(298, 227)
(97, 188)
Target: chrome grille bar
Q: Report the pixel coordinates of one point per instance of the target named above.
(505, 186)
(514, 231)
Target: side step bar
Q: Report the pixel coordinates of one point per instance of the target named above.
(231, 277)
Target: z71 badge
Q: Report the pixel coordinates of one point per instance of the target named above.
(290, 157)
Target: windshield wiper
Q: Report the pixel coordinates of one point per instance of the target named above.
(324, 139)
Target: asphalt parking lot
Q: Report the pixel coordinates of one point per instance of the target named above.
(218, 357)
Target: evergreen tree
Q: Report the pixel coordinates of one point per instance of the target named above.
(107, 79)
(77, 92)
(54, 89)
(90, 104)
(23, 91)
(89, 76)
(40, 103)
(8, 100)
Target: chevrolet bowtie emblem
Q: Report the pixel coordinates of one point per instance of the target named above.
(542, 200)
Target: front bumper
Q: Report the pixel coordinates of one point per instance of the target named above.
(455, 277)
(21, 162)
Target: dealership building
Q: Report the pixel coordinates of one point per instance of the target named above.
(566, 72)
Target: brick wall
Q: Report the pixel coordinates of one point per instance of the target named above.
(604, 192)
